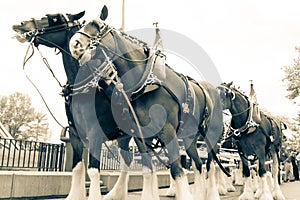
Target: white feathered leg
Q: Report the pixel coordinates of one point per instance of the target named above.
(120, 189)
(248, 192)
(182, 188)
(94, 191)
(229, 184)
(199, 188)
(238, 175)
(276, 193)
(212, 190)
(150, 186)
(259, 190)
(266, 194)
(255, 180)
(172, 189)
(221, 182)
(77, 191)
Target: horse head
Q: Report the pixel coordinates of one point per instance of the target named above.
(227, 94)
(80, 46)
(54, 31)
(49, 30)
(111, 52)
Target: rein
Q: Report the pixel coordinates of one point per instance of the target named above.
(33, 34)
(25, 60)
(105, 30)
(118, 84)
(240, 113)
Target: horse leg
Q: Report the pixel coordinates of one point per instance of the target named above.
(150, 184)
(199, 189)
(276, 193)
(238, 174)
(120, 189)
(229, 183)
(77, 190)
(212, 189)
(255, 179)
(248, 191)
(221, 181)
(172, 189)
(265, 193)
(177, 173)
(94, 169)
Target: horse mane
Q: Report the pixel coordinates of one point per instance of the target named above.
(238, 89)
(99, 24)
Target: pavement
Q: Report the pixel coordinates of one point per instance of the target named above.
(291, 191)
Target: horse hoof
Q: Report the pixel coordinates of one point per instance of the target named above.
(266, 197)
(277, 194)
(247, 196)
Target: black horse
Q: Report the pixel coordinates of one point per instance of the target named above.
(158, 109)
(256, 136)
(56, 31)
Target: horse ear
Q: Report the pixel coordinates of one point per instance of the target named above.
(104, 13)
(76, 16)
(283, 126)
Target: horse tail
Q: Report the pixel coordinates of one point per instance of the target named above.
(215, 157)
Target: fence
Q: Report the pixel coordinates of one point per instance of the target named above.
(110, 160)
(31, 155)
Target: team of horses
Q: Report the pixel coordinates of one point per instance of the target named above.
(119, 88)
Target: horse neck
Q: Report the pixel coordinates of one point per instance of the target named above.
(71, 65)
(131, 54)
(239, 111)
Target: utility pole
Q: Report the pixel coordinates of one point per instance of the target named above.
(123, 15)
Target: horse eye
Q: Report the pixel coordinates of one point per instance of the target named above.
(77, 44)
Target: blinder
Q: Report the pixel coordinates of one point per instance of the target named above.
(56, 24)
(56, 19)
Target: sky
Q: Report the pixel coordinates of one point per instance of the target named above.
(246, 40)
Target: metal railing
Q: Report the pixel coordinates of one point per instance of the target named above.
(39, 156)
(110, 160)
(31, 155)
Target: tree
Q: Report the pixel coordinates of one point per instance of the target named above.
(21, 119)
(37, 129)
(292, 77)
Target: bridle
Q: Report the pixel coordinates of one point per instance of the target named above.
(96, 40)
(229, 90)
(249, 123)
(38, 30)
